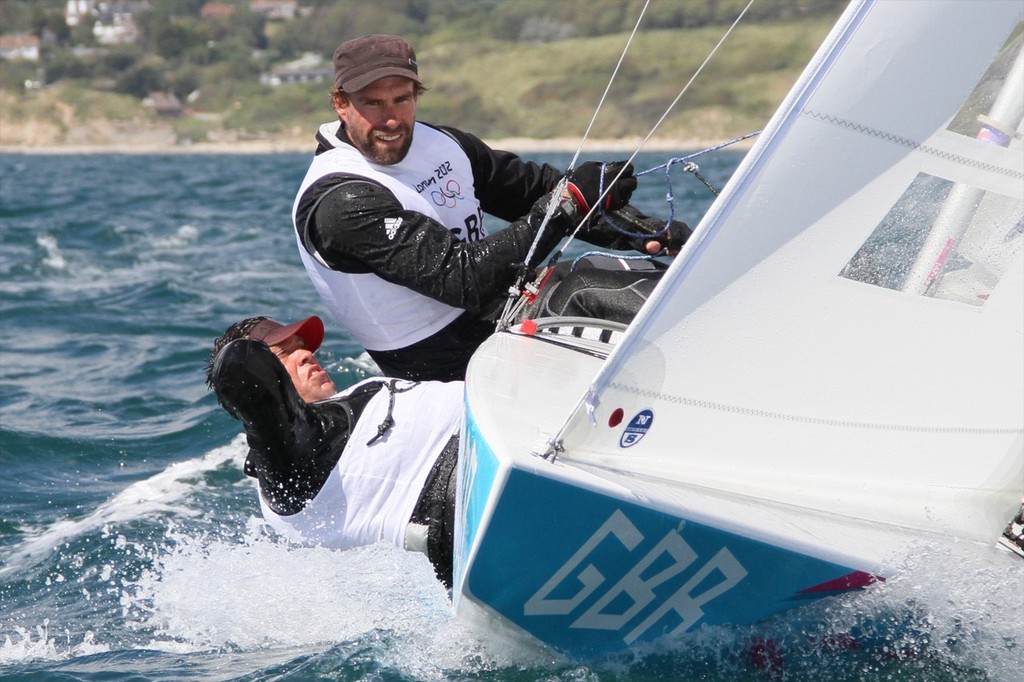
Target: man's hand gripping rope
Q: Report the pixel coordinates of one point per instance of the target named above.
(594, 186)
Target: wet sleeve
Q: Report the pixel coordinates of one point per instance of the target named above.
(361, 227)
(293, 446)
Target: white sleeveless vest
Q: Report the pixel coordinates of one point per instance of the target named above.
(373, 489)
(435, 179)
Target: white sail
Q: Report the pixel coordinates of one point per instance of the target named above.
(791, 355)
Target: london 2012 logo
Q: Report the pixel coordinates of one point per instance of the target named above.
(447, 197)
(637, 428)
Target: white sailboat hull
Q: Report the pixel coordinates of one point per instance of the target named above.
(831, 371)
(590, 560)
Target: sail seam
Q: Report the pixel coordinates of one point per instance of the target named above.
(781, 416)
(912, 144)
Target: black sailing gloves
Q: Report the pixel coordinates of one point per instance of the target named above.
(627, 228)
(618, 225)
(594, 178)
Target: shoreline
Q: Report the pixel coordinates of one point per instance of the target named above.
(518, 145)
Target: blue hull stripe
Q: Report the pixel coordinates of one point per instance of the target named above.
(588, 574)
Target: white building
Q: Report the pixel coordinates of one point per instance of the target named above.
(19, 46)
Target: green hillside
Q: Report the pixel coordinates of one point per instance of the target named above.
(497, 75)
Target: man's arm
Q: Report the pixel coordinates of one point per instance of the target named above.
(292, 446)
(359, 226)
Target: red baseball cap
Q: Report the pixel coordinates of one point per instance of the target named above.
(274, 333)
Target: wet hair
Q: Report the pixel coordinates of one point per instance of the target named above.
(239, 330)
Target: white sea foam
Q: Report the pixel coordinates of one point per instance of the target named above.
(362, 363)
(950, 604)
(163, 493)
(182, 237)
(264, 594)
(46, 644)
(54, 257)
(964, 605)
(254, 592)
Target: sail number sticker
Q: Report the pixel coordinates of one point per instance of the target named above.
(637, 428)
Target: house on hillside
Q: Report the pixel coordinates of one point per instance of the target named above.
(19, 46)
(116, 28)
(77, 10)
(276, 10)
(217, 10)
(115, 21)
(309, 68)
(164, 104)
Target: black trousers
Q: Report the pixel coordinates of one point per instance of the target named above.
(603, 288)
(436, 510)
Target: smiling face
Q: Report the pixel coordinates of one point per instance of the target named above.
(379, 118)
(311, 380)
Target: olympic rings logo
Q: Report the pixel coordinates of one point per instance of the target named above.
(449, 196)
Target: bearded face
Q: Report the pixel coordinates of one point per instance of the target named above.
(379, 118)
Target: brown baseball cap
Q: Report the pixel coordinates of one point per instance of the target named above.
(361, 61)
(274, 333)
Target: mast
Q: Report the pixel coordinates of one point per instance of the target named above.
(999, 127)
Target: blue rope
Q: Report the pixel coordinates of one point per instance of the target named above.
(682, 159)
(670, 197)
(604, 254)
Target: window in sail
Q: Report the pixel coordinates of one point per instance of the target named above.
(942, 239)
(989, 113)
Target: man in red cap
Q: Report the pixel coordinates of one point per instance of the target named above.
(294, 344)
(390, 219)
(340, 469)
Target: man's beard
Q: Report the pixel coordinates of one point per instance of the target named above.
(379, 153)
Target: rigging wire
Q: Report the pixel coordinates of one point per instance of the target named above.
(608, 87)
(522, 290)
(515, 289)
(661, 120)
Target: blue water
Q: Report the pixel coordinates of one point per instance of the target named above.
(129, 540)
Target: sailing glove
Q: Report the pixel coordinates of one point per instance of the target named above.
(594, 178)
(627, 228)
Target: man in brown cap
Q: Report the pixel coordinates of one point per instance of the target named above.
(390, 220)
(380, 134)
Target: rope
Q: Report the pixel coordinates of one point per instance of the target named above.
(689, 167)
(605, 254)
(680, 159)
(389, 419)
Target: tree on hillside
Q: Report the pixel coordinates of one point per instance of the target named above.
(50, 26)
(16, 16)
(143, 78)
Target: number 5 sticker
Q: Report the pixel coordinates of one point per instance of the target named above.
(637, 428)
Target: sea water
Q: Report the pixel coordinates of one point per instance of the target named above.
(130, 544)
